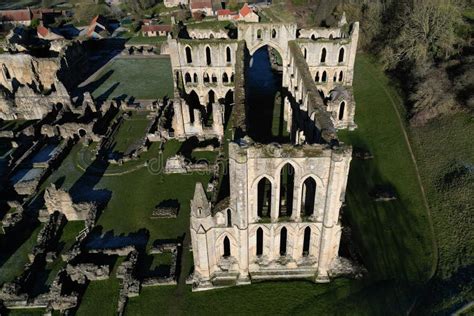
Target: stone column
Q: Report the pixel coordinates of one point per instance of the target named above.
(275, 200)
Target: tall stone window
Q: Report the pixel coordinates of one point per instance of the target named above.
(259, 34)
(283, 241)
(226, 245)
(323, 55)
(335, 77)
(341, 55)
(341, 110)
(228, 55)
(274, 33)
(305, 52)
(341, 76)
(189, 57)
(324, 77)
(229, 218)
(214, 78)
(264, 198)
(306, 241)
(206, 77)
(195, 78)
(308, 195)
(259, 241)
(316, 78)
(208, 56)
(225, 78)
(287, 184)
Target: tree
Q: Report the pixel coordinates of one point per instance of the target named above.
(423, 30)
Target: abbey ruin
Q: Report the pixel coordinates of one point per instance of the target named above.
(282, 216)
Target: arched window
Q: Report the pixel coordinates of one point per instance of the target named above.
(264, 196)
(324, 77)
(341, 76)
(208, 56)
(306, 241)
(226, 247)
(313, 37)
(187, 78)
(341, 110)
(259, 34)
(274, 33)
(214, 78)
(259, 241)
(229, 218)
(228, 55)
(211, 97)
(308, 197)
(335, 77)
(225, 78)
(232, 77)
(283, 239)
(316, 78)
(341, 55)
(304, 52)
(189, 57)
(195, 78)
(193, 100)
(323, 55)
(287, 183)
(206, 77)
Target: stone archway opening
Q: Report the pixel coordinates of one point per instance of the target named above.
(264, 96)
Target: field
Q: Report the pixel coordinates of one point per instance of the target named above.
(140, 78)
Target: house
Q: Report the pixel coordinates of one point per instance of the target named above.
(225, 15)
(16, 17)
(201, 6)
(98, 28)
(46, 34)
(175, 3)
(247, 14)
(156, 30)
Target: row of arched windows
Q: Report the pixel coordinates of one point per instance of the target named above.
(283, 247)
(207, 79)
(259, 33)
(322, 59)
(324, 77)
(189, 55)
(287, 189)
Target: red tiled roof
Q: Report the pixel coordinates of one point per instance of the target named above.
(245, 10)
(224, 12)
(156, 28)
(15, 15)
(201, 4)
(42, 30)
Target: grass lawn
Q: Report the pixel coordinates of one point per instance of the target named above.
(141, 78)
(100, 298)
(130, 131)
(394, 237)
(13, 266)
(146, 40)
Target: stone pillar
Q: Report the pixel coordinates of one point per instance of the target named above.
(275, 200)
(218, 119)
(178, 124)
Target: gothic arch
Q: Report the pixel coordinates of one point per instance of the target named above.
(341, 56)
(189, 54)
(208, 56)
(323, 55)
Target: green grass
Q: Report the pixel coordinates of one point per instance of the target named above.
(13, 267)
(100, 298)
(394, 237)
(210, 25)
(146, 40)
(445, 153)
(147, 78)
(130, 131)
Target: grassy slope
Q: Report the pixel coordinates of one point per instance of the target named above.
(445, 151)
(139, 78)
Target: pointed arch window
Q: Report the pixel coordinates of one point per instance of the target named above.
(324, 77)
(259, 241)
(264, 196)
(208, 56)
(341, 55)
(189, 56)
(341, 110)
(226, 246)
(308, 197)
(283, 241)
(287, 183)
(228, 55)
(229, 218)
(306, 241)
(341, 76)
(323, 55)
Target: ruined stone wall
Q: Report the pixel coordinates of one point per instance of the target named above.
(238, 220)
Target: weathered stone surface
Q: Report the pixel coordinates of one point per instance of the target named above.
(61, 201)
(89, 271)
